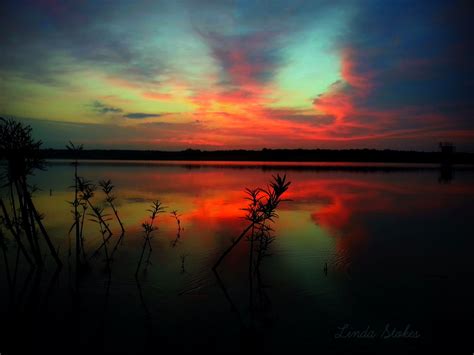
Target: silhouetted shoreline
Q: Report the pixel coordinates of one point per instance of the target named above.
(266, 155)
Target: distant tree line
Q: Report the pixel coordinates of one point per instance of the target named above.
(275, 155)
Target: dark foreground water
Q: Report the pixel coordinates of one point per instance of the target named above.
(397, 242)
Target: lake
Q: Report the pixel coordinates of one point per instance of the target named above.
(365, 257)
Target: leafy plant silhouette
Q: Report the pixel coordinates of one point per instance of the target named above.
(107, 188)
(22, 155)
(148, 229)
(260, 212)
(99, 217)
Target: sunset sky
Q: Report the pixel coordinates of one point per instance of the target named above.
(240, 74)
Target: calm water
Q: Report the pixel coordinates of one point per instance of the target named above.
(398, 245)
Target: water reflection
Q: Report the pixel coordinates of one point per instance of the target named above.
(446, 173)
(353, 245)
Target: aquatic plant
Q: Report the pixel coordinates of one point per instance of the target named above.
(22, 155)
(99, 217)
(260, 211)
(75, 150)
(176, 216)
(84, 191)
(107, 188)
(148, 229)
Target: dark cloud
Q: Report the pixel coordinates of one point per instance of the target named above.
(415, 54)
(102, 108)
(62, 36)
(246, 39)
(245, 58)
(116, 36)
(141, 115)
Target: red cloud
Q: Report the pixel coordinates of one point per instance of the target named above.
(340, 100)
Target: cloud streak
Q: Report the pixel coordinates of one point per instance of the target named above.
(141, 115)
(103, 109)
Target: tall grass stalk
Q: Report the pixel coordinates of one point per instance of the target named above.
(76, 150)
(176, 216)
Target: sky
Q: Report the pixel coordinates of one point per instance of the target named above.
(237, 74)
